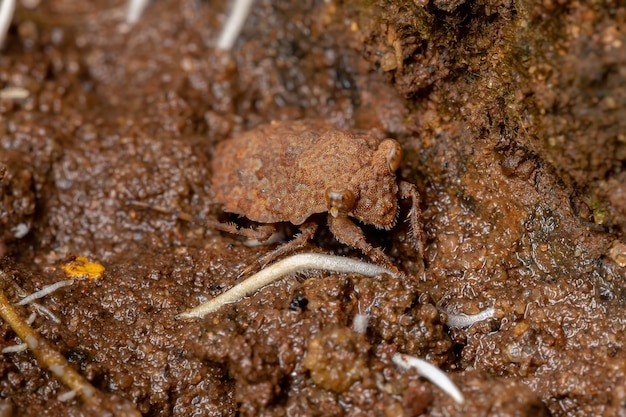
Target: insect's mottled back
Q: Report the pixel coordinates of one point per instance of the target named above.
(280, 171)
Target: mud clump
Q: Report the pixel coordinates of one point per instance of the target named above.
(336, 359)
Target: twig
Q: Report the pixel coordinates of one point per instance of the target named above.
(44, 353)
(56, 363)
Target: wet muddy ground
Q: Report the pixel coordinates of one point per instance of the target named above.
(512, 118)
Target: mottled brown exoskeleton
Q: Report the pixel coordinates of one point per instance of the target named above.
(288, 171)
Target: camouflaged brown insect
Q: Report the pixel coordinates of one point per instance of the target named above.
(288, 171)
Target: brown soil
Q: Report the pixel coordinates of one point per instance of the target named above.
(512, 116)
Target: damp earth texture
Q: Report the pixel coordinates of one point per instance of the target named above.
(510, 117)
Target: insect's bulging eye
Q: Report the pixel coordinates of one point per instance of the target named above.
(339, 201)
(394, 154)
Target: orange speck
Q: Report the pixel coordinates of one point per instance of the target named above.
(520, 328)
(82, 268)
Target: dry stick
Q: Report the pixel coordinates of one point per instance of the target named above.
(44, 353)
(56, 363)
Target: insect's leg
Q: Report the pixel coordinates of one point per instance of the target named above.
(408, 190)
(307, 230)
(350, 234)
(179, 214)
(260, 233)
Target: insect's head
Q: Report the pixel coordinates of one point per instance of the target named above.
(372, 195)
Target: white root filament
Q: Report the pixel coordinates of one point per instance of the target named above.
(7, 8)
(48, 289)
(460, 321)
(295, 263)
(431, 373)
(233, 24)
(135, 10)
